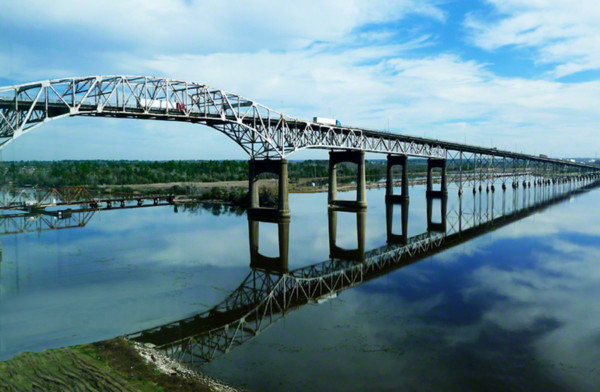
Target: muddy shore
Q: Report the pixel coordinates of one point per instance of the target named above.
(300, 186)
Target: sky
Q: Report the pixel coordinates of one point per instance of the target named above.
(522, 75)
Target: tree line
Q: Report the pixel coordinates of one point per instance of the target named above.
(122, 172)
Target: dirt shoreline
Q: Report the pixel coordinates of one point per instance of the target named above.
(167, 365)
(270, 183)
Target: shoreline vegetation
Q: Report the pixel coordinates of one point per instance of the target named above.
(229, 192)
(113, 365)
(223, 182)
(119, 173)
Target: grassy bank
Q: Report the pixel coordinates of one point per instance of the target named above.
(113, 365)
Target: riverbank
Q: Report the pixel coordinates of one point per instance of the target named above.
(235, 191)
(112, 365)
(232, 193)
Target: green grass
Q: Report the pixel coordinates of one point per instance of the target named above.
(111, 365)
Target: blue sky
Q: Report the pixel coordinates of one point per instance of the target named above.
(516, 74)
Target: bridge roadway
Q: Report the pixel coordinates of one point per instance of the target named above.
(266, 296)
(139, 97)
(325, 136)
(269, 137)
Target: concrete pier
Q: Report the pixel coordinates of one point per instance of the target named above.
(357, 157)
(433, 164)
(279, 167)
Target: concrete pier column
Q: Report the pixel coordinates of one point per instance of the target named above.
(432, 164)
(357, 157)
(283, 204)
(332, 189)
(404, 193)
(444, 184)
(361, 181)
(396, 160)
(278, 167)
(429, 178)
(253, 185)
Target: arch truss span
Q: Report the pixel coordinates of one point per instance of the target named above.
(260, 131)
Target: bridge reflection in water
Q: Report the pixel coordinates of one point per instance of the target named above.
(270, 291)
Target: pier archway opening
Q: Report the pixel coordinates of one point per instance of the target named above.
(268, 184)
(436, 175)
(346, 180)
(347, 232)
(268, 243)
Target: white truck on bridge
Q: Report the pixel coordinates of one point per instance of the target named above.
(161, 104)
(157, 104)
(327, 121)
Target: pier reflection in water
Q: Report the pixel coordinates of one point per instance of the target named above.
(337, 252)
(270, 292)
(278, 264)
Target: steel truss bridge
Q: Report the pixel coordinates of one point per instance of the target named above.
(32, 199)
(266, 296)
(262, 132)
(38, 220)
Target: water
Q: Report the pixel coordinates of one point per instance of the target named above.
(512, 309)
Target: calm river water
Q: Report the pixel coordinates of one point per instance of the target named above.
(513, 309)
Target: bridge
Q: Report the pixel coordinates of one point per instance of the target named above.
(39, 220)
(30, 222)
(269, 137)
(34, 199)
(270, 291)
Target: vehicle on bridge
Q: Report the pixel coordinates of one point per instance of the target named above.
(327, 121)
(161, 104)
(156, 104)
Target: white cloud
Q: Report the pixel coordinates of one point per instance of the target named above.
(564, 33)
(560, 288)
(212, 25)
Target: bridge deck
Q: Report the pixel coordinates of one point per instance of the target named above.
(136, 112)
(259, 130)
